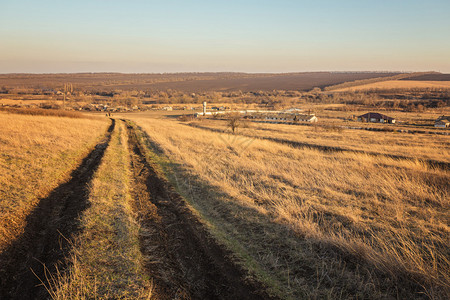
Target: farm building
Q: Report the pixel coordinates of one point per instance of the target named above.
(442, 122)
(375, 118)
(306, 118)
(287, 117)
(269, 116)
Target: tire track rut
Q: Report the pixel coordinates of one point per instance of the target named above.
(40, 252)
(184, 261)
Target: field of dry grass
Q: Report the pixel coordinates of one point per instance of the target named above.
(398, 84)
(306, 222)
(37, 153)
(45, 112)
(317, 224)
(414, 146)
(15, 101)
(111, 229)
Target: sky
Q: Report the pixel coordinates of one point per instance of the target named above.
(137, 36)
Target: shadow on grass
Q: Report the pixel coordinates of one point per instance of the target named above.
(36, 255)
(291, 265)
(430, 162)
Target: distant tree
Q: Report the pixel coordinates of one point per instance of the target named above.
(4, 90)
(234, 121)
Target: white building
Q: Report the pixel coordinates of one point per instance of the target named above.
(442, 122)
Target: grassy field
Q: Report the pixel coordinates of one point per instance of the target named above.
(317, 224)
(414, 146)
(111, 229)
(252, 214)
(37, 153)
(398, 84)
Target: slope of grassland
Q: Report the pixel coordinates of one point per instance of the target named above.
(398, 84)
(315, 224)
(106, 262)
(430, 77)
(37, 153)
(422, 147)
(356, 83)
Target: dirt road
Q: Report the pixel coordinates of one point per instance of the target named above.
(181, 258)
(184, 261)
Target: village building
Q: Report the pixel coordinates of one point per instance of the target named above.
(311, 118)
(442, 122)
(376, 118)
(267, 116)
(283, 116)
(290, 117)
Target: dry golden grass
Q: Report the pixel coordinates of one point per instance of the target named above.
(398, 84)
(106, 262)
(44, 112)
(415, 146)
(11, 101)
(37, 154)
(384, 215)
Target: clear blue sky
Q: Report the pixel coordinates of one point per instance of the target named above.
(245, 35)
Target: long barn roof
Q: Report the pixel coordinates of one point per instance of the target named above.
(374, 115)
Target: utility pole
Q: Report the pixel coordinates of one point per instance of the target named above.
(68, 87)
(64, 94)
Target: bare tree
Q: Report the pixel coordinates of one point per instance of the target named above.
(234, 121)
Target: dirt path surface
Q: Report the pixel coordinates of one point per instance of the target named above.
(184, 261)
(47, 235)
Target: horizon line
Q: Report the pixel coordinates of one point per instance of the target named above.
(214, 72)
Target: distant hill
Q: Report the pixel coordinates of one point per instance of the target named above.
(188, 82)
(430, 77)
(391, 85)
(361, 83)
(298, 81)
